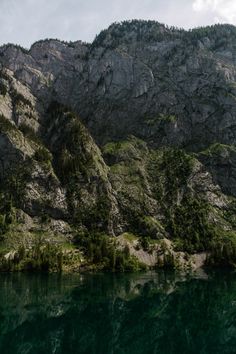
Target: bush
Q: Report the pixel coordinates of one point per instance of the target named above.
(3, 226)
(43, 155)
(29, 133)
(96, 216)
(177, 166)
(188, 224)
(14, 183)
(101, 250)
(43, 256)
(145, 242)
(223, 250)
(6, 125)
(149, 226)
(6, 214)
(3, 89)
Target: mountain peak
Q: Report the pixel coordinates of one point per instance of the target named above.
(141, 136)
(133, 30)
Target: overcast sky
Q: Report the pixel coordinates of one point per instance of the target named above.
(25, 21)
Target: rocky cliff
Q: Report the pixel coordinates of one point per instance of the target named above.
(131, 135)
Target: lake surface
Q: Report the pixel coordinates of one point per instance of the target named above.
(118, 314)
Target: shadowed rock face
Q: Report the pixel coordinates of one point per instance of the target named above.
(140, 92)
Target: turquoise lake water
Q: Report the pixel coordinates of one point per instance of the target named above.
(146, 313)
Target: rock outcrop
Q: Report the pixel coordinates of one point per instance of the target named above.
(135, 133)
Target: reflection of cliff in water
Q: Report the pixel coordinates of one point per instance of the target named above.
(141, 313)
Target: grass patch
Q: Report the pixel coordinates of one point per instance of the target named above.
(217, 148)
(129, 237)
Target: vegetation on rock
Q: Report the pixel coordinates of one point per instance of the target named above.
(145, 147)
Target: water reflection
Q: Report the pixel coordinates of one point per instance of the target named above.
(118, 314)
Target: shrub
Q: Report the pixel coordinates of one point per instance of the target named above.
(6, 214)
(14, 183)
(96, 216)
(43, 256)
(3, 89)
(188, 223)
(101, 250)
(6, 125)
(223, 250)
(43, 155)
(29, 133)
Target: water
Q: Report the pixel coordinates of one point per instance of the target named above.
(118, 314)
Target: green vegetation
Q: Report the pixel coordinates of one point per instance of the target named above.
(129, 237)
(188, 224)
(147, 227)
(230, 213)
(152, 31)
(5, 125)
(17, 46)
(220, 35)
(43, 156)
(123, 155)
(116, 147)
(3, 89)
(148, 193)
(13, 185)
(77, 162)
(169, 170)
(46, 40)
(177, 166)
(148, 31)
(95, 217)
(103, 253)
(168, 173)
(6, 214)
(29, 133)
(187, 217)
(223, 250)
(216, 149)
(71, 160)
(43, 256)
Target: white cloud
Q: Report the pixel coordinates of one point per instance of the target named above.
(25, 21)
(223, 10)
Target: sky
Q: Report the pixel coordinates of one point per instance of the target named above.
(26, 21)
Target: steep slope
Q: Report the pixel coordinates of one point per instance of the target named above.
(133, 134)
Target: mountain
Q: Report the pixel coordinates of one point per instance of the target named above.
(132, 136)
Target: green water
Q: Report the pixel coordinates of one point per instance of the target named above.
(115, 314)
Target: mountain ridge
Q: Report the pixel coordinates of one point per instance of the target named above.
(133, 134)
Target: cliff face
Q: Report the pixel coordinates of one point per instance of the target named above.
(134, 133)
